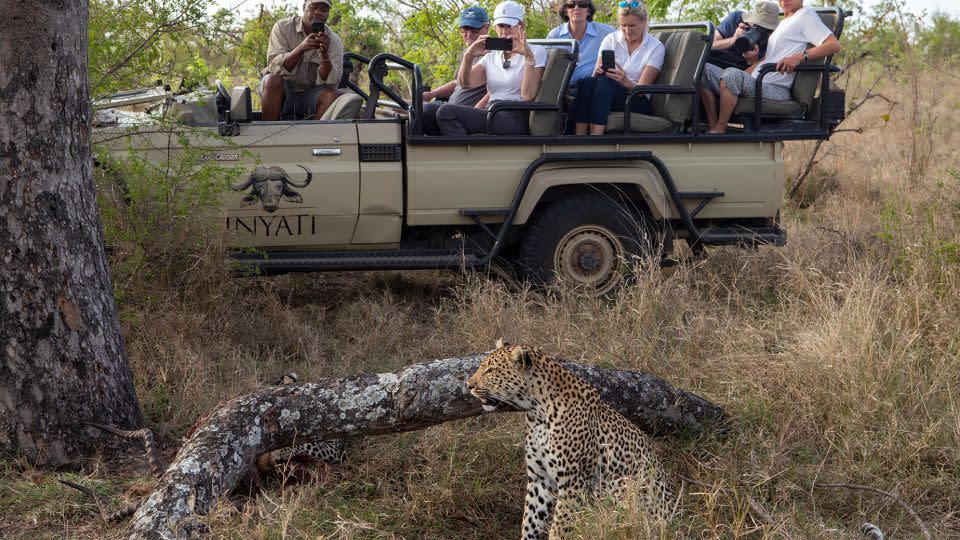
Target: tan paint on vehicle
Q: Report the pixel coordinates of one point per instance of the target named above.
(444, 179)
(381, 189)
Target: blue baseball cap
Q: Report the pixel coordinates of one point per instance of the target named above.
(474, 17)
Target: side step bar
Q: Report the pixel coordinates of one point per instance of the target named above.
(726, 236)
(279, 262)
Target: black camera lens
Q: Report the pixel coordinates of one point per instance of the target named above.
(749, 39)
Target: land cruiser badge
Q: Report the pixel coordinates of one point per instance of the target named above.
(269, 184)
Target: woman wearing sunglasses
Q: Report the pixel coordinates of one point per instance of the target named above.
(638, 58)
(579, 25)
(512, 75)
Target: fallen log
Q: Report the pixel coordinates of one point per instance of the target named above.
(220, 452)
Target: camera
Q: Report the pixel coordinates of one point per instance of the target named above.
(749, 39)
(316, 27)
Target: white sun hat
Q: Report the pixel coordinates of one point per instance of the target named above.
(509, 12)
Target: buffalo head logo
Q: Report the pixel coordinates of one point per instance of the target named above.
(269, 184)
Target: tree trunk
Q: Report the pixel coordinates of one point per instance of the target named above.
(420, 395)
(63, 360)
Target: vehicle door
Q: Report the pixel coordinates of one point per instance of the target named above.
(302, 186)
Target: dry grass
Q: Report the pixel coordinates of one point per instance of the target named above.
(836, 356)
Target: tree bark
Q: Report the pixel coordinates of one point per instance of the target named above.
(420, 395)
(63, 359)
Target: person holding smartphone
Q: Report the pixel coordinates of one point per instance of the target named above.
(579, 25)
(636, 57)
(474, 23)
(510, 68)
(304, 65)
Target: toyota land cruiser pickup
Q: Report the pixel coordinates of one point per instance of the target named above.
(364, 188)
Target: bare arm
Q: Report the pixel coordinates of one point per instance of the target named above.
(648, 75)
(531, 73)
(442, 92)
(720, 42)
(531, 81)
(829, 47)
(472, 75)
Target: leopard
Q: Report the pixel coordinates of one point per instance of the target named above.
(578, 448)
(330, 451)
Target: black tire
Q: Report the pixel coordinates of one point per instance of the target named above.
(587, 240)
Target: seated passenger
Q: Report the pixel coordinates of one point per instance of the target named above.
(474, 23)
(786, 48)
(509, 75)
(638, 56)
(754, 26)
(579, 25)
(303, 67)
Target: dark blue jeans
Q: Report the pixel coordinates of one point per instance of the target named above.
(597, 97)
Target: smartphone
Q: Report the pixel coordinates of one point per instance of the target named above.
(607, 60)
(499, 44)
(317, 27)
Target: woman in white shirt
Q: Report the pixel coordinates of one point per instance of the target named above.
(786, 47)
(638, 56)
(509, 76)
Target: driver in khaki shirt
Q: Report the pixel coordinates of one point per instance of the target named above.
(303, 67)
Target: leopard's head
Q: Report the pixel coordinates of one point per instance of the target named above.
(503, 376)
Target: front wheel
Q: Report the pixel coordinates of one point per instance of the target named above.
(588, 240)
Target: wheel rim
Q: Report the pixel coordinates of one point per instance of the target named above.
(589, 256)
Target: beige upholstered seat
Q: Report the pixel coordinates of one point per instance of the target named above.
(553, 85)
(345, 107)
(804, 90)
(670, 111)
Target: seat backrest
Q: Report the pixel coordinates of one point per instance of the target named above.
(241, 110)
(553, 86)
(681, 57)
(806, 84)
(345, 107)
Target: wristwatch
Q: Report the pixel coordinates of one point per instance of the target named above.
(805, 56)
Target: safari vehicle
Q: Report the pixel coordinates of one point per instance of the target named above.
(364, 188)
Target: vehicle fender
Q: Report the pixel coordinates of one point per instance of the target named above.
(642, 175)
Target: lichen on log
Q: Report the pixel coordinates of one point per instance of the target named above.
(417, 396)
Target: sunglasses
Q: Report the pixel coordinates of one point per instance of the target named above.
(506, 63)
(629, 4)
(582, 5)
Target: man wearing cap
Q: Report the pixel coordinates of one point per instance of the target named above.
(303, 67)
(799, 38)
(474, 23)
(765, 15)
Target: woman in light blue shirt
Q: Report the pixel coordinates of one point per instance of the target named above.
(579, 25)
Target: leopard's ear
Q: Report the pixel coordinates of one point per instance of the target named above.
(501, 343)
(522, 357)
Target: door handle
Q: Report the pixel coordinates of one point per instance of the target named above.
(326, 151)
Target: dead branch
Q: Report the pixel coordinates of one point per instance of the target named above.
(871, 489)
(211, 463)
(816, 149)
